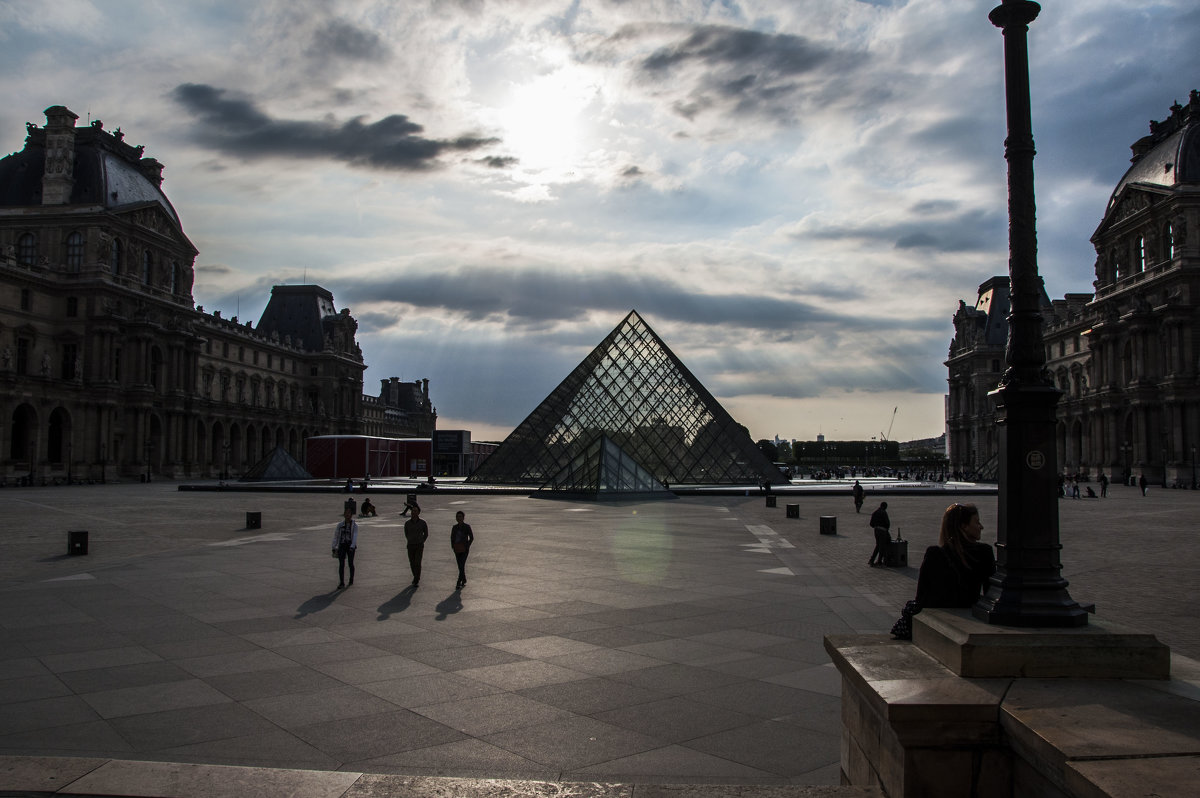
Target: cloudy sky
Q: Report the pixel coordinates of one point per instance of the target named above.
(794, 193)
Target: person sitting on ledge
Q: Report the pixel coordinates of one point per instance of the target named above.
(955, 572)
(366, 509)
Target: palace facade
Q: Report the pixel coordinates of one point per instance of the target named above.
(1125, 357)
(109, 370)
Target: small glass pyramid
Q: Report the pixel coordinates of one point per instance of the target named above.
(603, 470)
(634, 390)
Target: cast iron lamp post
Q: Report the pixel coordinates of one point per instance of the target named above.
(1164, 466)
(1193, 468)
(1027, 588)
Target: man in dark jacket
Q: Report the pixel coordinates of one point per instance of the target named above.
(416, 532)
(883, 535)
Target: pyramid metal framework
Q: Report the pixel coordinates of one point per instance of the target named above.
(633, 389)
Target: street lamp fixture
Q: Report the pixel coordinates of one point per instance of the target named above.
(1028, 589)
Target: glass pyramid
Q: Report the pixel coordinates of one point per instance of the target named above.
(604, 470)
(633, 389)
(277, 465)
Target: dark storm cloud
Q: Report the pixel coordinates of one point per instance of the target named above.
(744, 71)
(969, 231)
(344, 40)
(538, 296)
(499, 161)
(719, 46)
(238, 127)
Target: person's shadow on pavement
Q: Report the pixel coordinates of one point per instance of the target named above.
(449, 605)
(397, 603)
(316, 603)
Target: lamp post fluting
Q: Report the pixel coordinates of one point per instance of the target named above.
(1028, 588)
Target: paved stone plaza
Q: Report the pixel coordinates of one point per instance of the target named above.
(663, 642)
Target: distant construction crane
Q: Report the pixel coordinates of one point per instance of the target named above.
(887, 435)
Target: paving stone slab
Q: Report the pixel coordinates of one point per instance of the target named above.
(179, 780)
(43, 773)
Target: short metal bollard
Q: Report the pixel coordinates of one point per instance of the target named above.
(793, 511)
(253, 520)
(829, 525)
(77, 541)
(770, 501)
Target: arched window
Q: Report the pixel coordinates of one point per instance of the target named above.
(74, 252)
(114, 256)
(1168, 241)
(1118, 264)
(147, 267)
(27, 249)
(174, 277)
(1140, 254)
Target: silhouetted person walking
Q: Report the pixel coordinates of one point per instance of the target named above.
(416, 532)
(858, 497)
(461, 538)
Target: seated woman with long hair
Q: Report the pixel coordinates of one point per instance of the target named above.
(955, 572)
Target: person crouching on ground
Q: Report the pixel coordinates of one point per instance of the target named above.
(955, 572)
(345, 543)
(461, 538)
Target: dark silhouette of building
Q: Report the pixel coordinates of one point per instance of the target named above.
(107, 367)
(1126, 357)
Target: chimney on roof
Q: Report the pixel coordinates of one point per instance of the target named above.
(58, 176)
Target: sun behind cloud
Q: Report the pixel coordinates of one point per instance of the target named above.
(545, 123)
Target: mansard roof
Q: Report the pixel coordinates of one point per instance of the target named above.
(1169, 156)
(106, 171)
(298, 311)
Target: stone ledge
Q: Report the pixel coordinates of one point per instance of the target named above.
(1112, 778)
(70, 776)
(1060, 725)
(1101, 650)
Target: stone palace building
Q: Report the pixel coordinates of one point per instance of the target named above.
(109, 370)
(1125, 357)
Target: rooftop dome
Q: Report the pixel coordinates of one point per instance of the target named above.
(1170, 155)
(106, 171)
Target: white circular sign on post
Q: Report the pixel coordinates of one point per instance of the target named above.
(1035, 460)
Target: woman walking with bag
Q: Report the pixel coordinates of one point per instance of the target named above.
(461, 538)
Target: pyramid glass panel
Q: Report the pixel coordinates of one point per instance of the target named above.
(634, 390)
